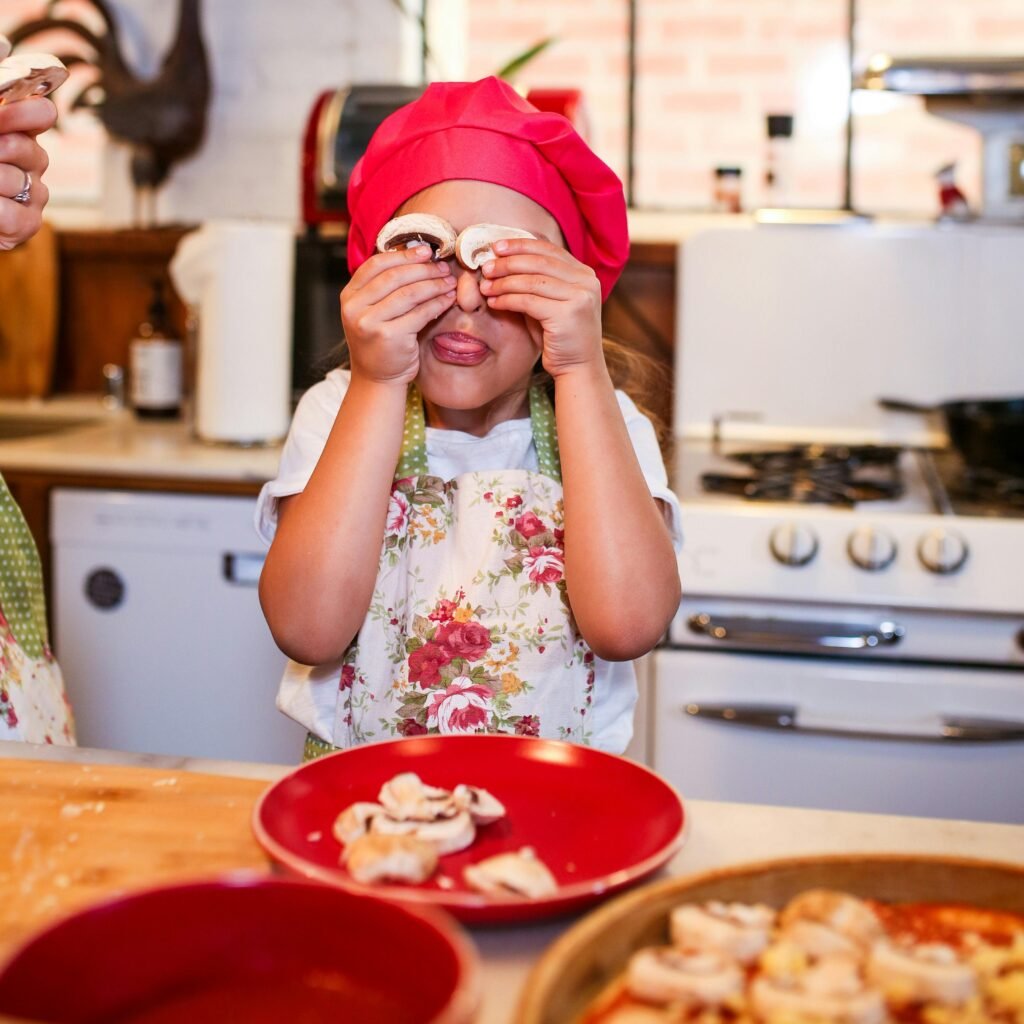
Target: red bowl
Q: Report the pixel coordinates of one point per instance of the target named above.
(598, 821)
(245, 948)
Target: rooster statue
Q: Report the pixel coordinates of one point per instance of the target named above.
(163, 118)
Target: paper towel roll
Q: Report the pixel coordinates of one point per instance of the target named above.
(239, 275)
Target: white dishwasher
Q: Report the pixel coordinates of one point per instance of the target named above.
(158, 628)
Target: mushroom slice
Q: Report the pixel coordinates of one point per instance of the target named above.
(407, 798)
(446, 835)
(30, 74)
(819, 940)
(418, 229)
(355, 821)
(482, 806)
(665, 974)
(928, 973)
(739, 930)
(5, 46)
(831, 990)
(377, 858)
(846, 914)
(475, 244)
(520, 873)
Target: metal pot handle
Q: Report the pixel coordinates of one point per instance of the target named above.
(902, 405)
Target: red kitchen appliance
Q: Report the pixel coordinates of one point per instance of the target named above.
(340, 125)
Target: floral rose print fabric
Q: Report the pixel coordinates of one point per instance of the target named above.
(469, 628)
(33, 703)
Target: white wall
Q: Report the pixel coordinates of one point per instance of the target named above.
(269, 60)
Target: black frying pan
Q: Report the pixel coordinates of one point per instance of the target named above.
(986, 432)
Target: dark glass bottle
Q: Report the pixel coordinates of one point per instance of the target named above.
(155, 363)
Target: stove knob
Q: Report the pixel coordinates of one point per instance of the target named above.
(942, 551)
(871, 549)
(793, 544)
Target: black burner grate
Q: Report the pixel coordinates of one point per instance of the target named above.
(988, 490)
(814, 474)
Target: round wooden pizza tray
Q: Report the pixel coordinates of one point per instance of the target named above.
(595, 950)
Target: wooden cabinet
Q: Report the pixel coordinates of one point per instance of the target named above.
(106, 282)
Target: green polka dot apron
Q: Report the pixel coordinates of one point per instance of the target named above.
(33, 704)
(469, 628)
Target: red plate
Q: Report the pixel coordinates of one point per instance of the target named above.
(598, 821)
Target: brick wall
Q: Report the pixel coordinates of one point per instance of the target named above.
(709, 72)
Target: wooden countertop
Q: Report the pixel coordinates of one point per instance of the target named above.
(71, 834)
(80, 825)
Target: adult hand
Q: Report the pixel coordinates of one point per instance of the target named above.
(20, 154)
(559, 296)
(385, 305)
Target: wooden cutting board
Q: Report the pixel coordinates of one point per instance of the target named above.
(29, 283)
(71, 834)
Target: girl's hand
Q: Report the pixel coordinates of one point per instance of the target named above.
(20, 123)
(385, 305)
(559, 296)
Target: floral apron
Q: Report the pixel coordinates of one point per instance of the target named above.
(469, 629)
(33, 705)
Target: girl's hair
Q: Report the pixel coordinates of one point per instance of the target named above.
(637, 374)
(632, 371)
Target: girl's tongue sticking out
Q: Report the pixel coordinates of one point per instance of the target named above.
(456, 347)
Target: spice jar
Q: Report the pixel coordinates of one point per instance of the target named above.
(727, 196)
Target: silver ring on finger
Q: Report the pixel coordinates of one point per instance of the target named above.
(26, 190)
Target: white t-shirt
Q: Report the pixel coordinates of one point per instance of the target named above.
(451, 453)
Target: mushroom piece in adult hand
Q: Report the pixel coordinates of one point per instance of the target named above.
(29, 74)
(475, 244)
(417, 229)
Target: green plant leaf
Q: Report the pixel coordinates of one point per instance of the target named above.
(514, 66)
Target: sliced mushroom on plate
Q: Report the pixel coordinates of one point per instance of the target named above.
(355, 821)
(484, 808)
(407, 798)
(520, 873)
(446, 835)
(475, 244)
(380, 858)
(413, 229)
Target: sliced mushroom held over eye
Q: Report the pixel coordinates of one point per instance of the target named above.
(413, 229)
(475, 244)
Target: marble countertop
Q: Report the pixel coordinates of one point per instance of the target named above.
(93, 440)
(718, 835)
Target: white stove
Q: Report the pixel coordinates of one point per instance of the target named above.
(851, 635)
(905, 558)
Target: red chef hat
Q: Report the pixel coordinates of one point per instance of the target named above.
(485, 131)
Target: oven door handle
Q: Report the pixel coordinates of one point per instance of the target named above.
(794, 635)
(951, 728)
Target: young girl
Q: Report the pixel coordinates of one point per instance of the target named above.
(474, 531)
